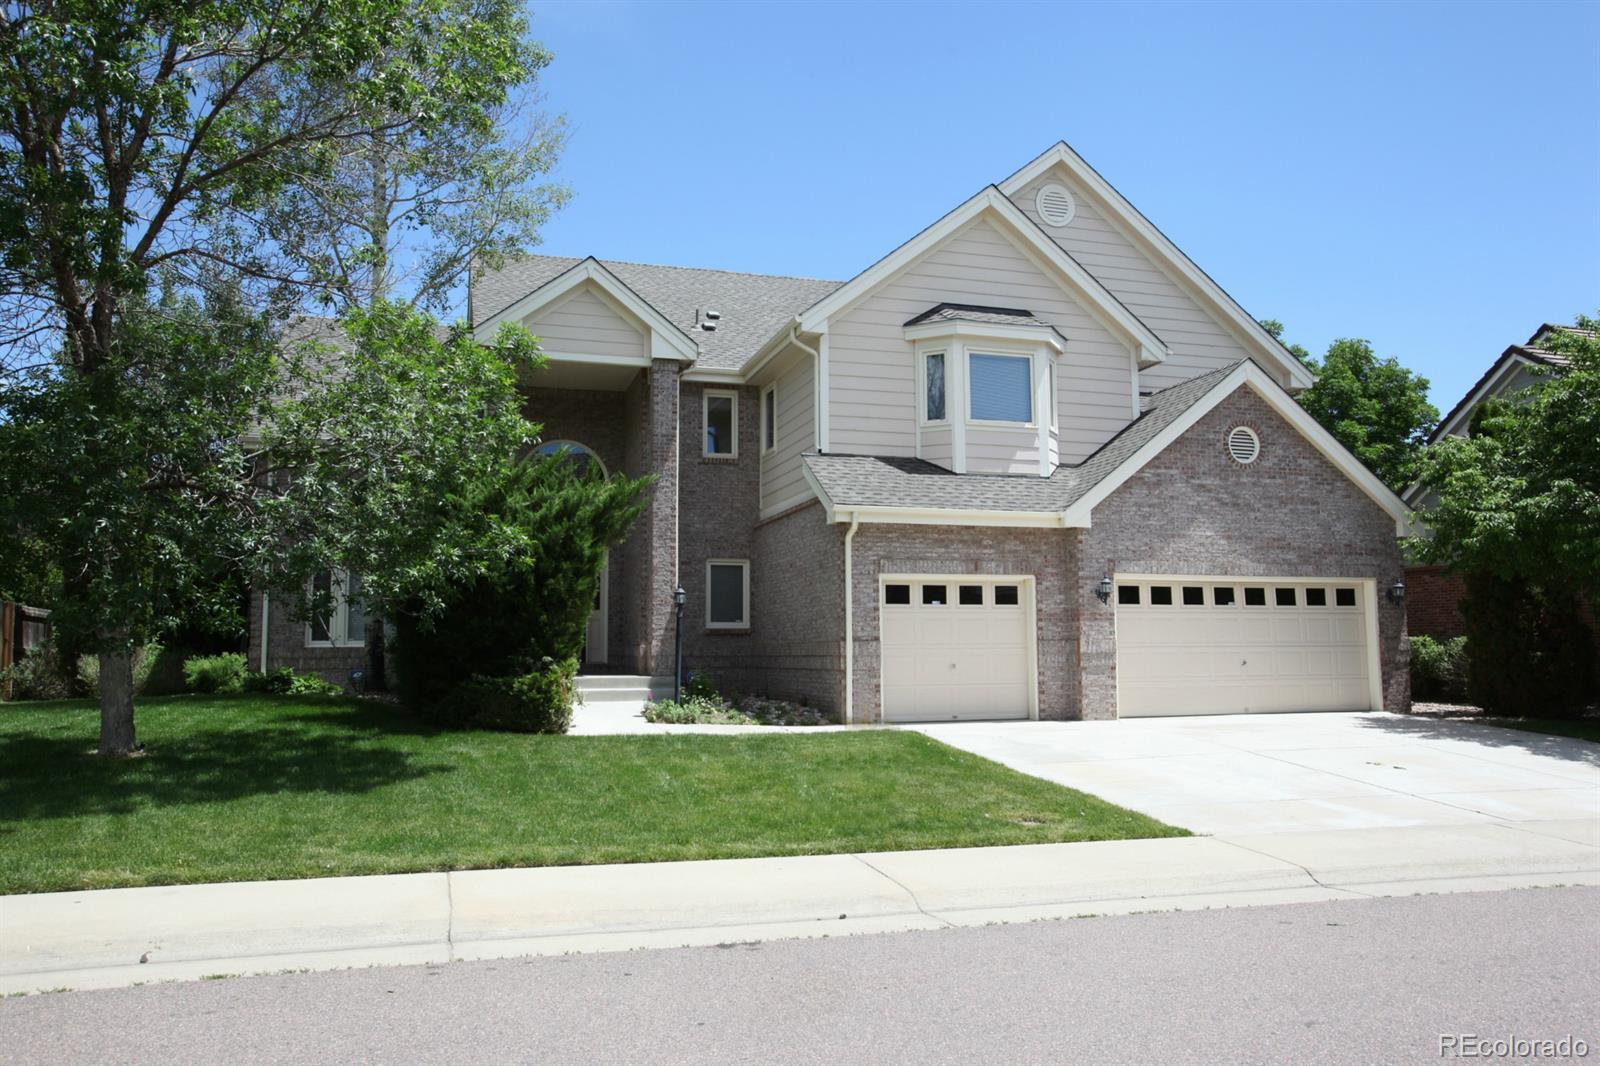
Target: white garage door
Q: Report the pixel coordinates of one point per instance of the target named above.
(1221, 645)
(956, 648)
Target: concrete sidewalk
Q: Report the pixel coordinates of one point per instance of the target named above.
(127, 936)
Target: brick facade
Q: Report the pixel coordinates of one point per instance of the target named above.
(1433, 602)
(1193, 510)
(1048, 555)
(287, 644)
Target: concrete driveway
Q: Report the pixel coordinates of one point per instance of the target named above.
(1277, 773)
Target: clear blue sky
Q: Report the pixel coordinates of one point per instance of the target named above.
(1423, 175)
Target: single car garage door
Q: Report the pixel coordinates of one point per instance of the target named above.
(956, 648)
(1221, 645)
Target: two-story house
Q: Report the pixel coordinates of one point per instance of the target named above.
(1034, 462)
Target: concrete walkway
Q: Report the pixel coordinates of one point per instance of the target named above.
(128, 936)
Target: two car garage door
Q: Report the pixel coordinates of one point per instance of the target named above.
(965, 647)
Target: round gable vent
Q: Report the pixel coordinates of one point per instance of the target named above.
(1056, 205)
(1243, 445)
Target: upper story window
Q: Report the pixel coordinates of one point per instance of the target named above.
(933, 386)
(721, 410)
(769, 418)
(1001, 387)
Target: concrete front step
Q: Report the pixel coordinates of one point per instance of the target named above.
(609, 688)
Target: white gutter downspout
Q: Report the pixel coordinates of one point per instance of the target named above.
(849, 624)
(263, 631)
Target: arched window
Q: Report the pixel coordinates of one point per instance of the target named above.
(581, 457)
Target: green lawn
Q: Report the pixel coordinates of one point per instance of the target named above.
(1581, 728)
(252, 788)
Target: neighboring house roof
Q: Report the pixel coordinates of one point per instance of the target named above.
(889, 489)
(1501, 371)
(752, 306)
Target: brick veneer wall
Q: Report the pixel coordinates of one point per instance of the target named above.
(286, 643)
(718, 507)
(797, 607)
(1049, 555)
(1193, 510)
(1433, 602)
(659, 450)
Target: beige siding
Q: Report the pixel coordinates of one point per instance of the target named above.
(585, 324)
(998, 450)
(936, 445)
(1199, 342)
(872, 401)
(782, 478)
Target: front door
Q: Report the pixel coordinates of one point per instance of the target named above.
(594, 645)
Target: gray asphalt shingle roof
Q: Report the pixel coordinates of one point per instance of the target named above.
(882, 481)
(1005, 316)
(753, 306)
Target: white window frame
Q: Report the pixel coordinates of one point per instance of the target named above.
(744, 622)
(922, 384)
(769, 419)
(705, 422)
(999, 352)
(338, 617)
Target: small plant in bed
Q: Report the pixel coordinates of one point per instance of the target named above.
(702, 709)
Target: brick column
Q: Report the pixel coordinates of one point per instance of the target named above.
(660, 522)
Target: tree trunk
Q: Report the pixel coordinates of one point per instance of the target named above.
(116, 704)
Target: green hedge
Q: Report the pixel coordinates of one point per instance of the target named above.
(214, 673)
(1439, 669)
(539, 701)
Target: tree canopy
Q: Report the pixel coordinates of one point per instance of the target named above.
(1373, 406)
(1520, 498)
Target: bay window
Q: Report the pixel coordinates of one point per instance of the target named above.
(1001, 387)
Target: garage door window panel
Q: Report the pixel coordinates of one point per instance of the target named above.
(897, 595)
(1344, 597)
(1284, 597)
(970, 596)
(935, 595)
(1222, 596)
(1255, 596)
(1005, 596)
(1128, 594)
(1316, 597)
(1161, 595)
(1194, 596)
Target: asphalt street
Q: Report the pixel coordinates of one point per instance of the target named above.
(1360, 981)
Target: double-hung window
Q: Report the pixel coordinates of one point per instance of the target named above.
(728, 594)
(341, 621)
(721, 410)
(1001, 387)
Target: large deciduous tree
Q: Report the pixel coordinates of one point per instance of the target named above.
(1517, 512)
(1373, 406)
(144, 137)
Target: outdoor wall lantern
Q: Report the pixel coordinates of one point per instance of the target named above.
(1103, 590)
(678, 596)
(1397, 593)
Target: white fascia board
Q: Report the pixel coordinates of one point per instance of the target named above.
(1257, 380)
(816, 487)
(948, 516)
(1032, 336)
(598, 360)
(1169, 253)
(1094, 296)
(712, 377)
(1461, 415)
(667, 341)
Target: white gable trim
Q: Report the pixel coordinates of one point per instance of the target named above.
(667, 341)
(1257, 380)
(1170, 255)
(1094, 296)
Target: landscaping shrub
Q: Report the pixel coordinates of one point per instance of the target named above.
(768, 711)
(215, 673)
(525, 612)
(539, 701)
(695, 710)
(285, 682)
(37, 677)
(1529, 651)
(144, 662)
(701, 684)
(1439, 669)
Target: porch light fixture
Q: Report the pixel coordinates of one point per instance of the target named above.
(1397, 593)
(678, 596)
(1103, 590)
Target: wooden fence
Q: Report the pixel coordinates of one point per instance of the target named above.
(23, 629)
